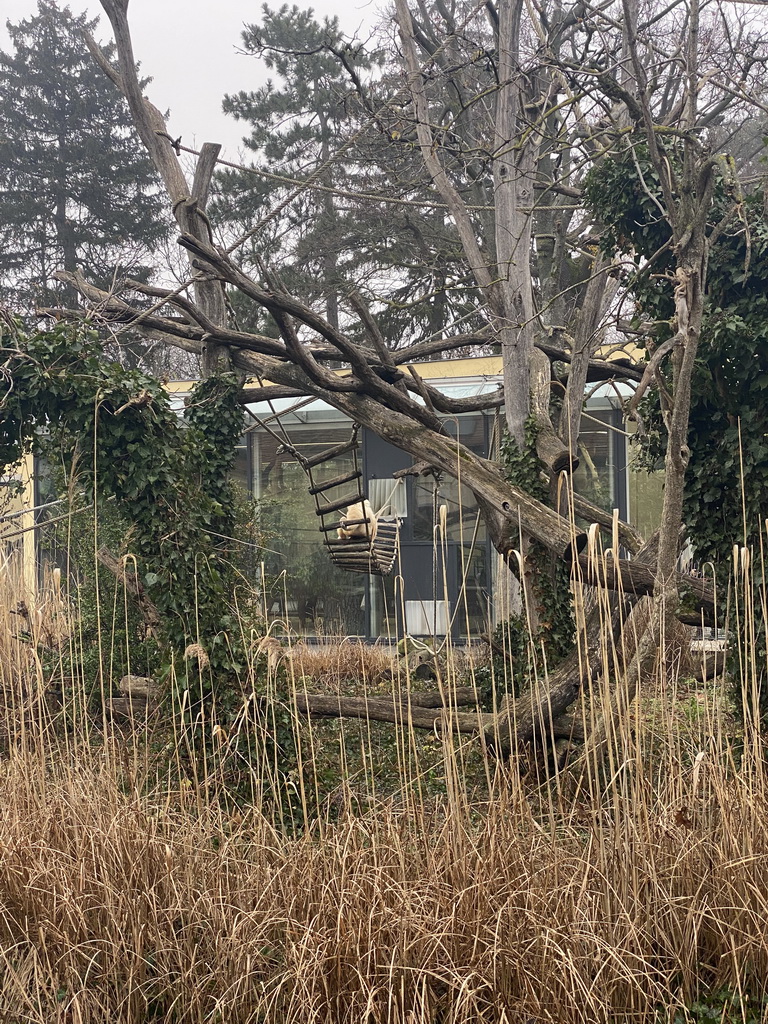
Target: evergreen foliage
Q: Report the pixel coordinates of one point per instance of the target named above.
(726, 499)
(115, 433)
(76, 188)
(406, 259)
(294, 122)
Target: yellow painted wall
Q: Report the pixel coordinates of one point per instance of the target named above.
(443, 369)
(17, 521)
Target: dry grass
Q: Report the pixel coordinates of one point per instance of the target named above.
(124, 901)
(115, 907)
(332, 663)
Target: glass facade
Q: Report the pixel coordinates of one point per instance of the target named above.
(446, 575)
(303, 586)
(443, 578)
(441, 581)
(601, 476)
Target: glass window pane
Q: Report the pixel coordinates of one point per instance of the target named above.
(594, 478)
(306, 588)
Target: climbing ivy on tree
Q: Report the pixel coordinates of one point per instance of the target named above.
(726, 494)
(550, 577)
(726, 497)
(114, 431)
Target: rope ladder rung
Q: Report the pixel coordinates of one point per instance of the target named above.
(345, 478)
(334, 506)
(329, 453)
(376, 558)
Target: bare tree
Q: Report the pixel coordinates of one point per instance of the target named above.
(569, 86)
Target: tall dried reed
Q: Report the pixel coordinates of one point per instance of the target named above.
(128, 899)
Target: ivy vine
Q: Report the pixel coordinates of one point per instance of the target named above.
(550, 577)
(115, 432)
(726, 490)
(726, 498)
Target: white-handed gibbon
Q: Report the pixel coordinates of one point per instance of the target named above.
(348, 528)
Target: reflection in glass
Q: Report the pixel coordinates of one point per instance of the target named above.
(305, 588)
(594, 478)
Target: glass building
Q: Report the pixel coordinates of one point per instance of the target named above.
(447, 578)
(444, 579)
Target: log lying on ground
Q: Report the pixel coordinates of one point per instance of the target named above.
(422, 711)
(457, 697)
(325, 705)
(535, 714)
(524, 719)
(396, 712)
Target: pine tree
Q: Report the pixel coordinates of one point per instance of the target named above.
(295, 122)
(76, 189)
(329, 92)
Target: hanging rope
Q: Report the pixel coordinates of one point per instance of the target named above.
(360, 541)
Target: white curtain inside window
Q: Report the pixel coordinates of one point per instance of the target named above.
(426, 618)
(388, 496)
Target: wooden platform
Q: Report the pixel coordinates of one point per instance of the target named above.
(357, 554)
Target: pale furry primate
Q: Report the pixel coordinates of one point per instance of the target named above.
(360, 510)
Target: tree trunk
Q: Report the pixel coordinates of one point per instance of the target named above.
(514, 163)
(188, 203)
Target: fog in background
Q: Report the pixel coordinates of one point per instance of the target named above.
(190, 50)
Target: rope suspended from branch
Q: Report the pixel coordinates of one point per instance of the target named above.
(359, 541)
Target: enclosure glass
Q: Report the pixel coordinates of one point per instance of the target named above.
(304, 587)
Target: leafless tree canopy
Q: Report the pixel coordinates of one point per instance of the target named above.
(493, 114)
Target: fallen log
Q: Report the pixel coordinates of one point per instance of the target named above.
(396, 712)
(457, 697)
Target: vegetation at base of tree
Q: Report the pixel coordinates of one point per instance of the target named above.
(115, 435)
(722, 1006)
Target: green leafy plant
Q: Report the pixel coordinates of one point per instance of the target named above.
(114, 434)
(723, 1006)
(726, 492)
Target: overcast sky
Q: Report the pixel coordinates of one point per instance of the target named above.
(189, 49)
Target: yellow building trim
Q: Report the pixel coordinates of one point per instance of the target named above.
(27, 522)
(445, 369)
(18, 524)
(439, 369)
